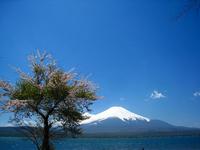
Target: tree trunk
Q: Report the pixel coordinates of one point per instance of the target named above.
(45, 142)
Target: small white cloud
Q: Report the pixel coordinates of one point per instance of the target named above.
(156, 95)
(122, 98)
(196, 94)
(7, 125)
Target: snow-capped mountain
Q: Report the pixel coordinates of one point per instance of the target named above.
(119, 120)
(114, 112)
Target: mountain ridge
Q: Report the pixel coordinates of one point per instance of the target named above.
(117, 119)
(119, 122)
(114, 112)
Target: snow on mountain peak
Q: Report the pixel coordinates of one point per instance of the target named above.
(114, 112)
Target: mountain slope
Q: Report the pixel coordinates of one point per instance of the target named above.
(114, 112)
(117, 121)
(120, 120)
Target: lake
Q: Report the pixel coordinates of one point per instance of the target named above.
(148, 143)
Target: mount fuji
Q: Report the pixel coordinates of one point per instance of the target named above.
(114, 112)
(119, 120)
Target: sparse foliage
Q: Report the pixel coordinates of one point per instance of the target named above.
(47, 101)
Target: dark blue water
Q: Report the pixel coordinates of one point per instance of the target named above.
(156, 143)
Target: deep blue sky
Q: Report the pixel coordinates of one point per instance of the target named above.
(141, 58)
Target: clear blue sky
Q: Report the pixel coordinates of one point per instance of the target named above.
(141, 58)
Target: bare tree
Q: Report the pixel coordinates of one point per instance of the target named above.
(47, 101)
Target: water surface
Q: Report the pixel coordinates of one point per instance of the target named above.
(153, 143)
